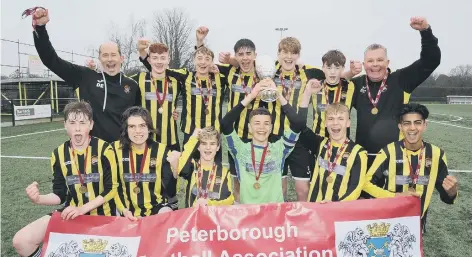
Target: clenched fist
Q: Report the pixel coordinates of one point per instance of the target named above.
(355, 67)
(313, 86)
(201, 33)
(143, 44)
(224, 57)
(33, 192)
(40, 17)
(450, 185)
(419, 23)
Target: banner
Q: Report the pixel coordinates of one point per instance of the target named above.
(373, 228)
(29, 112)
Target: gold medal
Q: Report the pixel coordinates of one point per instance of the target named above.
(329, 179)
(374, 111)
(83, 189)
(136, 190)
(207, 111)
(160, 110)
(249, 106)
(257, 186)
(410, 189)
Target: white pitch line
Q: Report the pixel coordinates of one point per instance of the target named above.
(446, 124)
(28, 134)
(458, 118)
(460, 171)
(24, 157)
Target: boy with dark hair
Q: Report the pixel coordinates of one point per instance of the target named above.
(412, 166)
(259, 164)
(335, 90)
(84, 179)
(145, 175)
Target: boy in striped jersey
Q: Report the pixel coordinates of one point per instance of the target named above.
(84, 179)
(341, 164)
(145, 175)
(208, 181)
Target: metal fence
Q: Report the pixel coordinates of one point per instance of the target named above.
(17, 66)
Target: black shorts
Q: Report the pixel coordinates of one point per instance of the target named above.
(156, 208)
(58, 210)
(175, 147)
(196, 154)
(301, 163)
(171, 189)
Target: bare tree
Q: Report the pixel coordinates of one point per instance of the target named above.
(462, 71)
(173, 28)
(126, 39)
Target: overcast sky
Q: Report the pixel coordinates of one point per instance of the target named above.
(320, 25)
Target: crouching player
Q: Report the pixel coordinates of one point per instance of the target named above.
(145, 175)
(208, 182)
(84, 179)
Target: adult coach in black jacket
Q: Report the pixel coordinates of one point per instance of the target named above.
(380, 94)
(109, 92)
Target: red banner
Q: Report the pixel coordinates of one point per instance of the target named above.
(380, 227)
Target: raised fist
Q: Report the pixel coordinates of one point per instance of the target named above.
(224, 57)
(450, 185)
(313, 86)
(202, 32)
(143, 44)
(40, 17)
(33, 192)
(419, 23)
(355, 67)
(90, 63)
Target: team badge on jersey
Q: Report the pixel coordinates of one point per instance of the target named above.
(152, 162)
(127, 89)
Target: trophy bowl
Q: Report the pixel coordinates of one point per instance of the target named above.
(265, 68)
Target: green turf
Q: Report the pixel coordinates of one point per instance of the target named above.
(449, 226)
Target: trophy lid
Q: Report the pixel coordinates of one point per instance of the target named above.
(265, 67)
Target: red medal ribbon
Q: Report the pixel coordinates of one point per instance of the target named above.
(377, 98)
(81, 179)
(338, 94)
(131, 161)
(209, 89)
(288, 90)
(159, 100)
(204, 193)
(244, 85)
(415, 174)
(332, 165)
(29, 12)
(261, 164)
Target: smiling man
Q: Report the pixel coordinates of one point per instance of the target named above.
(412, 166)
(109, 92)
(380, 93)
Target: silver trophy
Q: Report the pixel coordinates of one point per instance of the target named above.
(265, 68)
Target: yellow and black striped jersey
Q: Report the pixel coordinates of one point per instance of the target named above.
(293, 84)
(390, 173)
(155, 182)
(151, 95)
(202, 100)
(98, 173)
(219, 192)
(341, 93)
(346, 180)
(240, 84)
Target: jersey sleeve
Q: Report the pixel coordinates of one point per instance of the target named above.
(375, 178)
